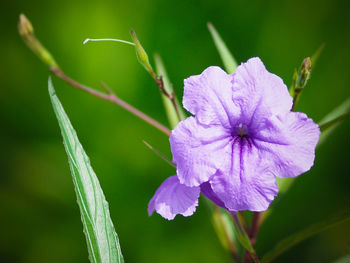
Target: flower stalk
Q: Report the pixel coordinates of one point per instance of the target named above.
(243, 237)
(171, 112)
(144, 61)
(26, 30)
(255, 226)
(226, 235)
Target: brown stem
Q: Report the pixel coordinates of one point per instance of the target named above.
(254, 257)
(255, 226)
(247, 258)
(159, 154)
(171, 96)
(112, 98)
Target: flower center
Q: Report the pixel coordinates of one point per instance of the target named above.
(241, 131)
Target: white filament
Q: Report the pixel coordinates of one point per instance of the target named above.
(108, 39)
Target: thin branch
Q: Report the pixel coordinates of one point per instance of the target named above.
(143, 59)
(112, 98)
(171, 96)
(26, 31)
(159, 154)
(255, 226)
(105, 87)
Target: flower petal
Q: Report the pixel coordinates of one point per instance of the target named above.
(259, 93)
(246, 181)
(173, 198)
(290, 142)
(198, 150)
(208, 192)
(209, 97)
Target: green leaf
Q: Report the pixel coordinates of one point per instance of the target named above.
(296, 238)
(284, 184)
(224, 228)
(327, 126)
(225, 54)
(101, 238)
(345, 259)
(171, 113)
(333, 119)
(240, 232)
(316, 55)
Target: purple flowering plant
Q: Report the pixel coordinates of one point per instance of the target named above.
(242, 138)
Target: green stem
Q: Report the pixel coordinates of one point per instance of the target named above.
(232, 247)
(244, 238)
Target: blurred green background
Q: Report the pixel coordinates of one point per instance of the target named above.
(39, 217)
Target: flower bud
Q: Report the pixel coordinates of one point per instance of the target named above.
(300, 79)
(26, 31)
(304, 72)
(141, 54)
(24, 26)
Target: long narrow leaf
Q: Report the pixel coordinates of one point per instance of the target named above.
(102, 240)
(333, 119)
(225, 54)
(316, 55)
(296, 238)
(327, 125)
(345, 259)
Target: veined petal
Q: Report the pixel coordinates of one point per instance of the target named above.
(290, 142)
(208, 192)
(172, 198)
(198, 150)
(209, 97)
(259, 93)
(246, 182)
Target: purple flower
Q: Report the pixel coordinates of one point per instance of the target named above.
(243, 135)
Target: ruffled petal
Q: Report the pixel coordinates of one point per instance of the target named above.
(209, 97)
(198, 150)
(290, 142)
(259, 93)
(246, 181)
(172, 198)
(208, 192)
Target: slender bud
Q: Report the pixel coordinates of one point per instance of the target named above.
(304, 73)
(142, 55)
(24, 26)
(26, 31)
(300, 79)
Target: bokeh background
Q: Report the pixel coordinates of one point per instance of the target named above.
(39, 216)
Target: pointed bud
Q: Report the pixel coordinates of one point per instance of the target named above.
(26, 31)
(24, 26)
(300, 79)
(304, 73)
(142, 55)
